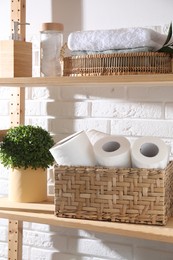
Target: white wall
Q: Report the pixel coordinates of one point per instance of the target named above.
(124, 13)
(131, 111)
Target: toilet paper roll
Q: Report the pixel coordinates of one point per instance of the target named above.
(95, 135)
(113, 151)
(150, 152)
(75, 150)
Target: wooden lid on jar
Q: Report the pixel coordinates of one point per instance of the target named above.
(52, 27)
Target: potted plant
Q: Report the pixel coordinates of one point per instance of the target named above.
(25, 150)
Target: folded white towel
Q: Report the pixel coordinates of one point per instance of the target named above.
(140, 49)
(124, 38)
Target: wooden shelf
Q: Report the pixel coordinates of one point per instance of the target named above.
(44, 213)
(153, 79)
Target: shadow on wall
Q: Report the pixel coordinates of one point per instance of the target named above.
(69, 13)
(81, 244)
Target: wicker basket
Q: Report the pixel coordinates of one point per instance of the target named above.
(116, 64)
(117, 195)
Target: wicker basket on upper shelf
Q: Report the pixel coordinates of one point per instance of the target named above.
(116, 64)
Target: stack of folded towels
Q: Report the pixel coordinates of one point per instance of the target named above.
(118, 40)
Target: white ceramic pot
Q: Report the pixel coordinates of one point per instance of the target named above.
(27, 185)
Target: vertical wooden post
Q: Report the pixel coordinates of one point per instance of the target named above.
(17, 105)
(18, 14)
(15, 240)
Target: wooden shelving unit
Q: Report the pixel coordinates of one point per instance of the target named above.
(152, 79)
(44, 212)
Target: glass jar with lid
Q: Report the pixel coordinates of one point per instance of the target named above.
(51, 41)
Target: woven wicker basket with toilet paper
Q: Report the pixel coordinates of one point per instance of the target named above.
(108, 188)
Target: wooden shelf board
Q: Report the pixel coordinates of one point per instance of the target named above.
(40, 213)
(154, 79)
(42, 207)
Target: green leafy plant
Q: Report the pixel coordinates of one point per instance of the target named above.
(26, 146)
(168, 45)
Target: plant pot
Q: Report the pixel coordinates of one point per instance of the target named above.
(27, 185)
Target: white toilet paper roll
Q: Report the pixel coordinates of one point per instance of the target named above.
(95, 135)
(75, 150)
(150, 152)
(113, 151)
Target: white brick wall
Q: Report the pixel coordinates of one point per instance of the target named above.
(127, 110)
